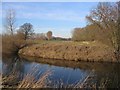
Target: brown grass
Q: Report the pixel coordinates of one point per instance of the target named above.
(0, 80)
(69, 50)
(29, 81)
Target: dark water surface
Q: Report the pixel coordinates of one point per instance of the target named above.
(68, 72)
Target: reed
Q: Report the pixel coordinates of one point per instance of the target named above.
(29, 81)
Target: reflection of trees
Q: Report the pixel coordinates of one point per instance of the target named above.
(13, 70)
(103, 74)
(109, 79)
(12, 64)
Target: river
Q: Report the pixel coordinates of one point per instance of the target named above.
(66, 72)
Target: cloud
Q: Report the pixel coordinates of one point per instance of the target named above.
(53, 15)
(57, 14)
(15, 6)
(38, 12)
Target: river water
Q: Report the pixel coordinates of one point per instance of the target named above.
(67, 72)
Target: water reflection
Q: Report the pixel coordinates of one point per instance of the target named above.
(68, 72)
(12, 64)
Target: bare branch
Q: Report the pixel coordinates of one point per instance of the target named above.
(10, 21)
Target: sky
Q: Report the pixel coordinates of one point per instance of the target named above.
(59, 17)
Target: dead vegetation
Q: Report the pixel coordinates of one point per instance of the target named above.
(12, 43)
(77, 51)
(30, 82)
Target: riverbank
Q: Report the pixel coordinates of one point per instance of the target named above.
(68, 50)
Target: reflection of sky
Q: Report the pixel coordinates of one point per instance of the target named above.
(67, 75)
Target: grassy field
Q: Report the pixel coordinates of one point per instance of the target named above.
(88, 43)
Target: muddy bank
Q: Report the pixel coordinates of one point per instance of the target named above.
(90, 51)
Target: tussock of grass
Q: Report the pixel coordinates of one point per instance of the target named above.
(30, 82)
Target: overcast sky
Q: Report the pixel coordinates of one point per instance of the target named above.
(59, 17)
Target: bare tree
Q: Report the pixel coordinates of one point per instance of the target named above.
(105, 16)
(49, 35)
(10, 20)
(27, 29)
(41, 36)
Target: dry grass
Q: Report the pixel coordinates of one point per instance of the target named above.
(29, 81)
(0, 80)
(11, 80)
(70, 43)
(69, 50)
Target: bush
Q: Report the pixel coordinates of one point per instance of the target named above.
(12, 43)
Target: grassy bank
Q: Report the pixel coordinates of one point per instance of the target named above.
(69, 50)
